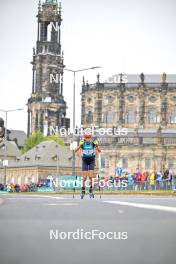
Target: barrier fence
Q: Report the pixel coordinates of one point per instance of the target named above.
(68, 184)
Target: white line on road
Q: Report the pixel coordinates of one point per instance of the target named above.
(52, 197)
(145, 206)
(120, 211)
(22, 199)
(33, 197)
(63, 204)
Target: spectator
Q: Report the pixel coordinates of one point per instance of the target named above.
(130, 181)
(159, 178)
(12, 187)
(165, 179)
(17, 188)
(8, 188)
(152, 180)
(143, 180)
(170, 177)
(1, 187)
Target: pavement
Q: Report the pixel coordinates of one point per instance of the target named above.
(35, 229)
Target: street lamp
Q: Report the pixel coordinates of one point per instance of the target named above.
(5, 138)
(58, 180)
(74, 86)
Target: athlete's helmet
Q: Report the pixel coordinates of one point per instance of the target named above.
(87, 134)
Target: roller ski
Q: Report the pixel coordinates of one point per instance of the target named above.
(91, 194)
(83, 192)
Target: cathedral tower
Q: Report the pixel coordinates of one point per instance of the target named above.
(46, 106)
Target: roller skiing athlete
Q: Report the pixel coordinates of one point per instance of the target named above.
(88, 147)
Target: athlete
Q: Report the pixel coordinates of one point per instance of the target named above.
(89, 147)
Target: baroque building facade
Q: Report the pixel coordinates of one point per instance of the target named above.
(46, 106)
(146, 109)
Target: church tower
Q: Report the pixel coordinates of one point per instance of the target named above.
(46, 106)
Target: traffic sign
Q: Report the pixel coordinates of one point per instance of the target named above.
(119, 170)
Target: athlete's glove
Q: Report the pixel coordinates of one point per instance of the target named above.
(95, 143)
(81, 143)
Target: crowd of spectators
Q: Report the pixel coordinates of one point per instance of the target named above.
(32, 187)
(137, 181)
(154, 180)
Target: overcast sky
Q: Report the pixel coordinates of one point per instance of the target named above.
(120, 35)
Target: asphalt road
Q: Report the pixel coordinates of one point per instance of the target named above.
(27, 222)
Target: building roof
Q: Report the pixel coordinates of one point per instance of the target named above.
(18, 136)
(12, 149)
(149, 78)
(45, 154)
(117, 86)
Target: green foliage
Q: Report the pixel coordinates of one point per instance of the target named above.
(38, 137)
(56, 138)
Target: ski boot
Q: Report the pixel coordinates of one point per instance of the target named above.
(91, 194)
(82, 193)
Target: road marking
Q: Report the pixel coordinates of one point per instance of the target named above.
(52, 197)
(62, 204)
(145, 206)
(33, 197)
(1, 201)
(24, 198)
(120, 211)
(147, 197)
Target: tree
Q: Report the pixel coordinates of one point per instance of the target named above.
(38, 137)
(57, 139)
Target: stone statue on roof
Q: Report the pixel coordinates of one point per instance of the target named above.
(164, 77)
(142, 76)
(51, 2)
(98, 78)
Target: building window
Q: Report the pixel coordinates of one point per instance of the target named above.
(26, 158)
(131, 98)
(89, 100)
(148, 164)
(109, 99)
(150, 140)
(89, 119)
(102, 162)
(37, 157)
(170, 141)
(106, 163)
(173, 117)
(130, 117)
(171, 164)
(125, 163)
(153, 118)
(110, 117)
(12, 180)
(26, 180)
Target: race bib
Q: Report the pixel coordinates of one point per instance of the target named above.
(88, 152)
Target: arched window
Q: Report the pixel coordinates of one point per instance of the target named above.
(89, 118)
(148, 164)
(110, 117)
(153, 118)
(173, 116)
(130, 117)
(125, 163)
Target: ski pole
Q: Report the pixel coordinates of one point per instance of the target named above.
(99, 173)
(74, 187)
